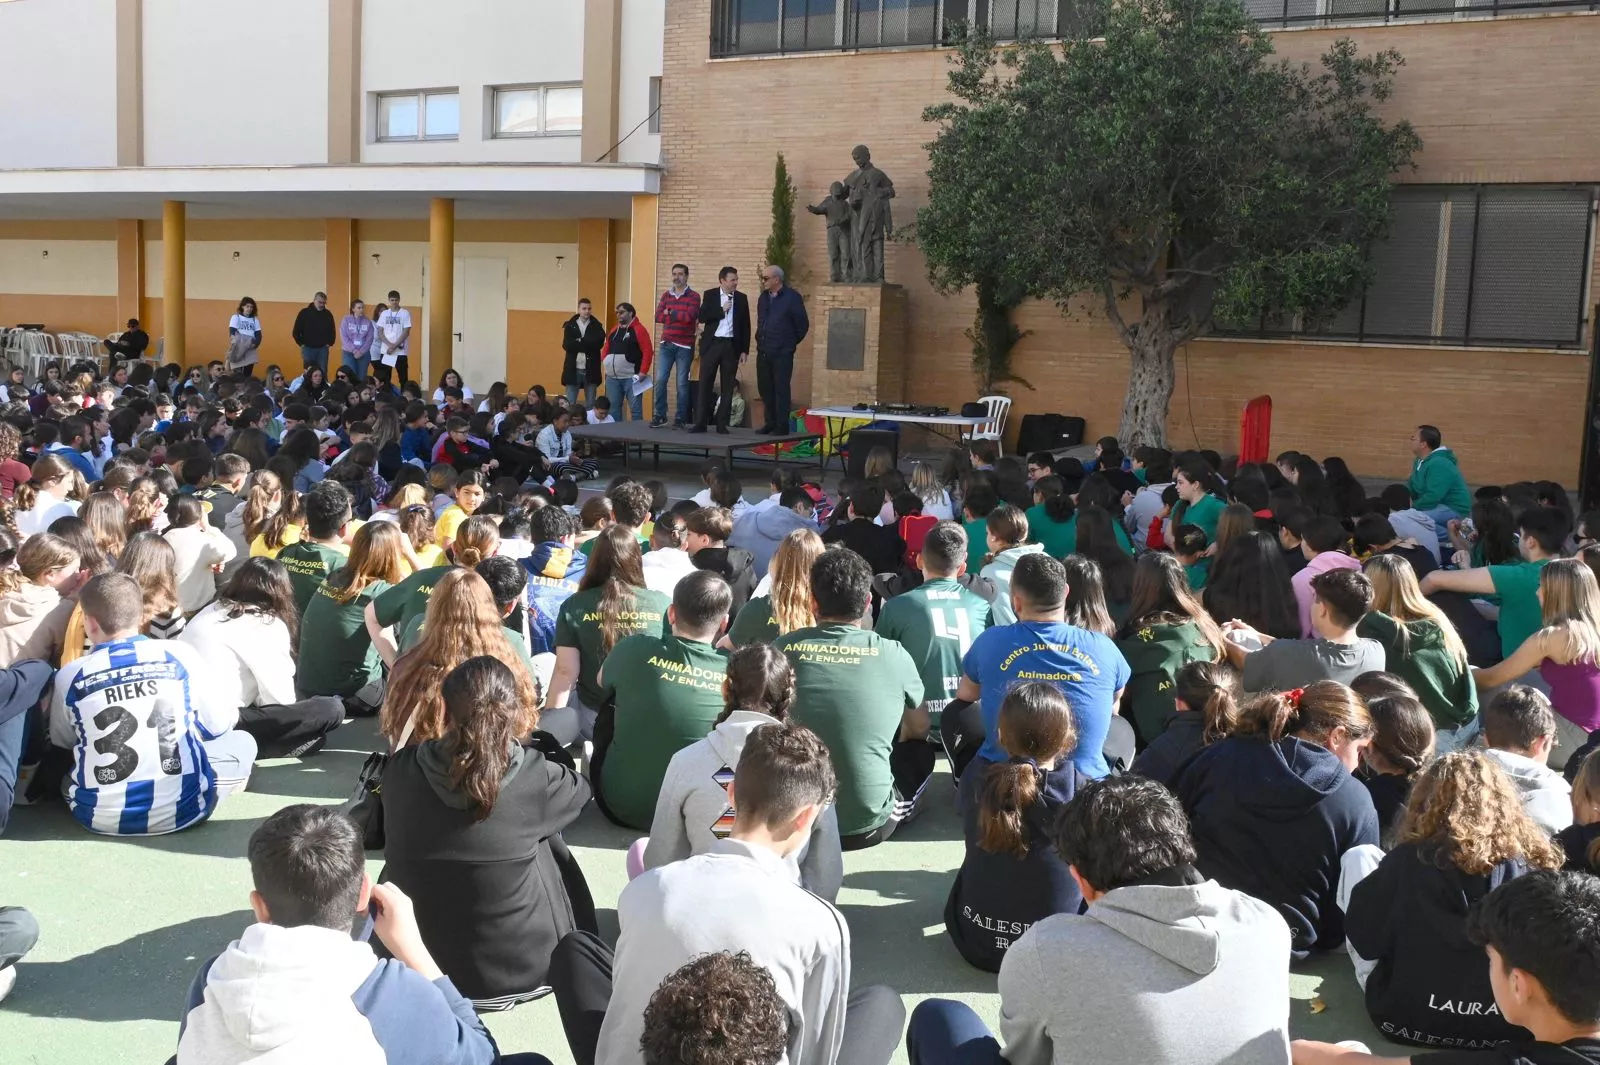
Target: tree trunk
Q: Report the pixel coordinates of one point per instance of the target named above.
(1150, 381)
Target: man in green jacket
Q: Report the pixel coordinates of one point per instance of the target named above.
(1437, 487)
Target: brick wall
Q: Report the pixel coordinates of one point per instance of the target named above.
(1465, 85)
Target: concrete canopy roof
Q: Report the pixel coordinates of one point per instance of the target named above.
(366, 190)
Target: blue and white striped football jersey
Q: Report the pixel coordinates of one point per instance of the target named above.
(134, 712)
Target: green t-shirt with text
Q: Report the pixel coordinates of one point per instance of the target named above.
(754, 624)
(578, 624)
(935, 622)
(1517, 585)
(409, 598)
(410, 634)
(336, 654)
(669, 695)
(851, 687)
(309, 564)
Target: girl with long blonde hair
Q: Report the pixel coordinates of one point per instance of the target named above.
(1421, 647)
(787, 605)
(269, 512)
(462, 622)
(935, 500)
(1464, 834)
(1566, 652)
(337, 656)
(146, 509)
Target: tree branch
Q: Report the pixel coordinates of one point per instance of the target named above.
(1114, 312)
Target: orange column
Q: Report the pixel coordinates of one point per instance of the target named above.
(342, 252)
(441, 288)
(595, 249)
(174, 290)
(130, 271)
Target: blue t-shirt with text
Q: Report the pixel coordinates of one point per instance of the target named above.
(1085, 665)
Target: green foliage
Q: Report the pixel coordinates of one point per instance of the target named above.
(1173, 172)
(780, 242)
(964, 229)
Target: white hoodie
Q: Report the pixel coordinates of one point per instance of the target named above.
(999, 571)
(1546, 795)
(282, 996)
(692, 810)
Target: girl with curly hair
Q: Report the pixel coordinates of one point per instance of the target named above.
(1465, 833)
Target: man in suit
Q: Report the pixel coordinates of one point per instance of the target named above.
(724, 345)
(781, 324)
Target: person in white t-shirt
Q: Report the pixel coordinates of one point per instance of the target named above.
(394, 342)
(600, 413)
(244, 338)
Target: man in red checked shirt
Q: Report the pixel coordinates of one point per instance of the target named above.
(677, 312)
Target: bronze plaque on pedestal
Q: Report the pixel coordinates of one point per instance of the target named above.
(847, 338)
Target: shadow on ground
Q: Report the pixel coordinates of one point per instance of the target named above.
(146, 977)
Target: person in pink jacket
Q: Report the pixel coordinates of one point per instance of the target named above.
(1323, 545)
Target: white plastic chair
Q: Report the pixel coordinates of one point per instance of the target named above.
(998, 408)
(38, 349)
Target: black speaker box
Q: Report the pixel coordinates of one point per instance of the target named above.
(861, 443)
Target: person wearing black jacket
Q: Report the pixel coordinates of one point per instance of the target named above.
(314, 331)
(1206, 711)
(582, 338)
(1011, 875)
(473, 824)
(131, 344)
(706, 533)
(1464, 834)
(724, 345)
(880, 545)
(1274, 807)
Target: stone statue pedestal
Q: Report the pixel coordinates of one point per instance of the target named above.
(858, 347)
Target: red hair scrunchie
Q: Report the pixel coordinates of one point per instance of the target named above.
(1294, 695)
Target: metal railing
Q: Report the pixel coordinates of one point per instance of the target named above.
(783, 27)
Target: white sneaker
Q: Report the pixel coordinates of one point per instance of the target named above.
(8, 980)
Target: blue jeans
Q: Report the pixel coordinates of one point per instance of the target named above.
(943, 1032)
(1442, 517)
(358, 364)
(317, 357)
(13, 742)
(589, 392)
(669, 357)
(620, 389)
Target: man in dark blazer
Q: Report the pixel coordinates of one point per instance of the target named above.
(724, 345)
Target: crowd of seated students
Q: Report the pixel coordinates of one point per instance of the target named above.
(214, 569)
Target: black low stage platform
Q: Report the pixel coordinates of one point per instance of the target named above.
(638, 437)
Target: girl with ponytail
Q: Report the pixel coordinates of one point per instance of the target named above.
(1207, 710)
(1402, 745)
(1011, 875)
(473, 817)
(1274, 807)
(50, 492)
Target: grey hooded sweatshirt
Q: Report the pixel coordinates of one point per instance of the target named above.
(1150, 975)
(1546, 795)
(692, 810)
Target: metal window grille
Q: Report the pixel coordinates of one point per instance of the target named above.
(1492, 265)
(778, 27)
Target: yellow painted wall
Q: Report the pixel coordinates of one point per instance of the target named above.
(67, 285)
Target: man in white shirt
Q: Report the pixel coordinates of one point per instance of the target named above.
(394, 341)
(724, 345)
(739, 896)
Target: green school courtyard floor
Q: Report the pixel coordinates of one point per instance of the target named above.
(125, 923)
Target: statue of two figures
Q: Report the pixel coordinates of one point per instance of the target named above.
(857, 213)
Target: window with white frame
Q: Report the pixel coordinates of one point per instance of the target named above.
(655, 106)
(538, 110)
(419, 116)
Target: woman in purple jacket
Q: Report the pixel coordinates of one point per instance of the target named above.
(355, 339)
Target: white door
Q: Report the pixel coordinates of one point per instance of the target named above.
(479, 352)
